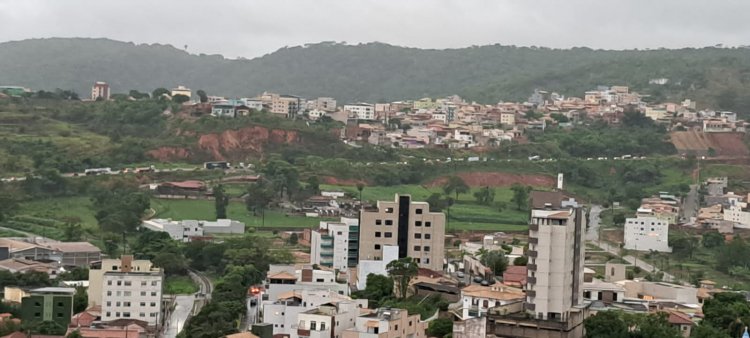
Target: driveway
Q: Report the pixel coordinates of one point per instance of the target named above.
(183, 308)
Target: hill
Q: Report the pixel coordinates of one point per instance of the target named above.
(374, 72)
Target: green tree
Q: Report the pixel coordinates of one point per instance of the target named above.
(80, 299)
(379, 288)
(727, 311)
(72, 232)
(46, 328)
(496, 261)
(606, 324)
(313, 184)
(172, 263)
(74, 334)
(437, 202)
(485, 196)
(440, 327)
(520, 196)
(455, 185)
(8, 205)
(520, 261)
(159, 92)
(293, 239)
(618, 219)
(202, 95)
(705, 330)
(221, 200)
(360, 187)
(712, 239)
(402, 271)
(259, 195)
(684, 244)
(179, 98)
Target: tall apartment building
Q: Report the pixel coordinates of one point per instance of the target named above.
(556, 255)
(100, 89)
(127, 288)
(363, 111)
(336, 244)
(646, 233)
(284, 105)
(387, 323)
(418, 233)
(48, 304)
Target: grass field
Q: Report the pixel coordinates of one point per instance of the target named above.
(176, 285)
(60, 208)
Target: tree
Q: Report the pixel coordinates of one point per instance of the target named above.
(313, 184)
(727, 311)
(259, 195)
(72, 232)
(712, 239)
(202, 95)
(47, 327)
(293, 239)
(455, 185)
(221, 200)
(618, 219)
(80, 299)
(179, 98)
(172, 263)
(496, 261)
(684, 244)
(521, 261)
(159, 92)
(437, 202)
(379, 288)
(402, 271)
(485, 196)
(8, 206)
(617, 324)
(705, 330)
(520, 196)
(360, 187)
(74, 334)
(607, 324)
(440, 327)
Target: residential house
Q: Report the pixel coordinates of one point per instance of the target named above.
(283, 313)
(327, 320)
(387, 323)
(285, 278)
(362, 111)
(477, 299)
(181, 90)
(647, 233)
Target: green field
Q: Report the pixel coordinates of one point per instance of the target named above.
(175, 285)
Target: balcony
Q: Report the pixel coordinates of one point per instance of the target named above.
(531, 267)
(531, 280)
(326, 254)
(533, 240)
(303, 333)
(531, 293)
(326, 245)
(534, 227)
(530, 306)
(533, 253)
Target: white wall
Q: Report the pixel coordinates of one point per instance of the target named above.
(378, 267)
(646, 234)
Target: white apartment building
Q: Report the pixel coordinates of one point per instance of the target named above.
(363, 111)
(476, 299)
(286, 278)
(556, 255)
(316, 114)
(283, 312)
(126, 288)
(335, 244)
(181, 90)
(646, 233)
(252, 103)
(738, 212)
(327, 321)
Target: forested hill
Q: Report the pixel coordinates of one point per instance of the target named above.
(375, 71)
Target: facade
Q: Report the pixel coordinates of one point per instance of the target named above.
(556, 256)
(417, 232)
(181, 90)
(336, 244)
(65, 253)
(327, 104)
(387, 323)
(128, 294)
(48, 304)
(186, 230)
(97, 271)
(508, 119)
(284, 105)
(282, 313)
(647, 234)
(328, 320)
(476, 300)
(363, 111)
(285, 278)
(100, 90)
(79, 254)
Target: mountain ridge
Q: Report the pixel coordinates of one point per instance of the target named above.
(379, 71)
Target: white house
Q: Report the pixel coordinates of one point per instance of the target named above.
(476, 300)
(283, 313)
(331, 244)
(285, 278)
(187, 229)
(378, 267)
(647, 233)
(363, 111)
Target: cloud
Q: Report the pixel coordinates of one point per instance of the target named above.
(253, 28)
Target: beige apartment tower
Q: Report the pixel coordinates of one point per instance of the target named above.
(418, 233)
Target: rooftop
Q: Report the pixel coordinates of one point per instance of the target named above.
(499, 292)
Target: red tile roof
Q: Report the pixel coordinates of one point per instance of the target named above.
(515, 275)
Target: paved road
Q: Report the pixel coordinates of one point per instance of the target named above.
(251, 317)
(691, 203)
(180, 314)
(592, 235)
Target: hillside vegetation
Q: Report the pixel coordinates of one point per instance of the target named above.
(716, 77)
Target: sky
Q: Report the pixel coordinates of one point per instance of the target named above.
(251, 28)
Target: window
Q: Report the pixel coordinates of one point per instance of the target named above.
(109, 282)
(126, 304)
(126, 314)
(339, 233)
(377, 246)
(143, 304)
(320, 280)
(417, 248)
(127, 283)
(153, 304)
(388, 234)
(59, 315)
(377, 233)
(427, 236)
(313, 325)
(418, 236)
(143, 293)
(427, 261)
(418, 211)
(142, 315)
(109, 314)
(378, 222)
(126, 293)
(322, 326)
(417, 223)
(389, 210)
(427, 248)
(152, 314)
(109, 303)
(117, 304)
(154, 283)
(109, 293)
(153, 293)
(143, 283)
(428, 224)
(119, 282)
(389, 222)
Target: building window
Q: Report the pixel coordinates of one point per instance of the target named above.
(109, 314)
(428, 224)
(143, 283)
(418, 211)
(388, 222)
(142, 315)
(143, 304)
(417, 223)
(313, 325)
(109, 303)
(427, 248)
(418, 236)
(154, 283)
(126, 304)
(109, 293)
(109, 282)
(378, 222)
(119, 282)
(153, 293)
(377, 246)
(143, 293)
(389, 210)
(126, 293)
(127, 283)
(126, 314)
(388, 234)
(153, 304)
(417, 248)
(427, 236)
(322, 326)
(377, 233)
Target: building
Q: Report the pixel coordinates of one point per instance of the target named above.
(336, 244)
(282, 313)
(67, 254)
(30, 251)
(327, 104)
(285, 105)
(417, 232)
(477, 299)
(48, 304)
(184, 188)
(131, 297)
(387, 323)
(285, 278)
(181, 90)
(14, 90)
(327, 320)
(647, 233)
(100, 90)
(186, 230)
(363, 111)
(375, 266)
(21, 265)
(556, 255)
(76, 254)
(508, 119)
(230, 108)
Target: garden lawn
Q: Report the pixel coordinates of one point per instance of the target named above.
(175, 285)
(60, 208)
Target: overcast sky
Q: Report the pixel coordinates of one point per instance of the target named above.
(253, 28)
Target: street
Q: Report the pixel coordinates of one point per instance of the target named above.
(183, 308)
(690, 205)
